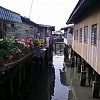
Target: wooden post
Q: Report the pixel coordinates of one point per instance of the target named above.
(72, 61)
(76, 56)
(83, 76)
(79, 65)
(95, 89)
(8, 89)
(11, 88)
(60, 48)
(2, 94)
(83, 73)
(90, 71)
(69, 51)
(96, 86)
(23, 80)
(19, 80)
(55, 48)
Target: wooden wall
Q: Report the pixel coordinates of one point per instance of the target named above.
(90, 53)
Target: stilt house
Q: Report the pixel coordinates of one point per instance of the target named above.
(7, 16)
(86, 41)
(86, 38)
(68, 32)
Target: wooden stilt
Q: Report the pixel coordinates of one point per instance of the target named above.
(96, 86)
(76, 60)
(95, 89)
(60, 47)
(55, 48)
(90, 71)
(83, 73)
(72, 61)
(79, 65)
(83, 78)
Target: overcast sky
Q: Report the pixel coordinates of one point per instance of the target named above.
(49, 12)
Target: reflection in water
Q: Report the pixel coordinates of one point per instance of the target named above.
(53, 86)
(63, 76)
(43, 87)
(51, 82)
(61, 89)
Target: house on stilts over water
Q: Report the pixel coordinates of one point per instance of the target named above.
(86, 42)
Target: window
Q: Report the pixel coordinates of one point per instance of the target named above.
(86, 34)
(93, 34)
(80, 35)
(76, 35)
(12, 25)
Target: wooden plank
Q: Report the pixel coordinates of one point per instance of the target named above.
(89, 52)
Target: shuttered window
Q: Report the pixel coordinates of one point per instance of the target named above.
(80, 35)
(86, 34)
(93, 34)
(76, 35)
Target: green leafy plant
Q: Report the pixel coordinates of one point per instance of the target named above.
(36, 42)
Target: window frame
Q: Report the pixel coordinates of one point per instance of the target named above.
(80, 35)
(94, 34)
(86, 34)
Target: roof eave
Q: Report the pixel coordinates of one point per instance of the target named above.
(80, 8)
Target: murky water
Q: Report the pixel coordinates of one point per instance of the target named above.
(53, 86)
(61, 88)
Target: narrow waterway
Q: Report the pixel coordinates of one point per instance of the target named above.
(59, 81)
(61, 89)
(53, 85)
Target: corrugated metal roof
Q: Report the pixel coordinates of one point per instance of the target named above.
(81, 7)
(28, 21)
(47, 26)
(7, 15)
(65, 28)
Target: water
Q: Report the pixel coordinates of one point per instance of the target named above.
(61, 89)
(54, 85)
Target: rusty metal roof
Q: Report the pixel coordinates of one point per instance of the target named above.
(81, 7)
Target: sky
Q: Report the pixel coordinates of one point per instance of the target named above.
(48, 12)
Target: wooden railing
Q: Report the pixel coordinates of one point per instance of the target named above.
(17, 77)
(7, 66)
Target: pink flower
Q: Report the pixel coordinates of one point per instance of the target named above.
(30, 39)
(22, 39)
